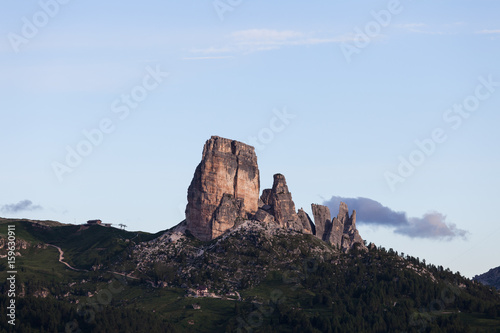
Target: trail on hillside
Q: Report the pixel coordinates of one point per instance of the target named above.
(125, 275)
(61, 260)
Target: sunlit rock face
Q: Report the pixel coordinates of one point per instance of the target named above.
(225, 187)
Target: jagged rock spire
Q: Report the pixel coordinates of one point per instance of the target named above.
(277, 202)
(279, 199)
(341, 231)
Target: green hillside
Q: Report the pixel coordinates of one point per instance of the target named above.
(83, 246)
(257, 282)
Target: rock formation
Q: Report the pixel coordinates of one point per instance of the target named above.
(264, 215)
(307, 224)
(280, 203)
(341, 231)
(335, 232)
(225, 216)
(322, 219)
(276, 205)
(351, 234)
(225, 186)
(225, 190)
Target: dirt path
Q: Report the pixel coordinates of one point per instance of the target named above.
(61, 260)
(125, 275)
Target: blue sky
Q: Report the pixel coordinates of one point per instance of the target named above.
(150, 82)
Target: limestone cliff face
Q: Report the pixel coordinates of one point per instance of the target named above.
(225, 186)
(229, 210)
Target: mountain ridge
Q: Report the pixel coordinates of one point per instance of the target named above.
(265, 264)
(490, 278)
(237, 263)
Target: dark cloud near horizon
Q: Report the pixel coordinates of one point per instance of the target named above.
(21, 206)
(432, 225)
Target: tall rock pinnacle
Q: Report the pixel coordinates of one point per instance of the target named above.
(225, 186)
(322, 219)
(278, 206)
(280, 200)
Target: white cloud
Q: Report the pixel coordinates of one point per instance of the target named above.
(420, 28)
(265, 35)
(207, 58)
(412, 25)
(213, 50)
(455, 24)
(486, 31)
(253, 40)
(431, 225)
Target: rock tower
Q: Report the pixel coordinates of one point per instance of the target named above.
(225, 187)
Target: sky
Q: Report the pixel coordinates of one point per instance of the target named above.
(389, 106)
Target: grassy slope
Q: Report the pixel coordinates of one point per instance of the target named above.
(83, 247)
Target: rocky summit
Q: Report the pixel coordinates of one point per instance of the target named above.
(225, 191)
(225, 187)
(278, 202)
(490, 278)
